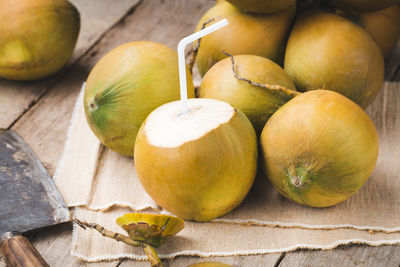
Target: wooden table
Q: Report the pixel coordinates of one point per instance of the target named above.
(40, 112)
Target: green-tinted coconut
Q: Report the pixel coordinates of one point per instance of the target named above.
(383, 26)
(364, 5)
(262, 6)
(37, 37)
(326, 51)
(257, 103)
(198, 165)
(319, 148)
(125, 86)
(263, 35)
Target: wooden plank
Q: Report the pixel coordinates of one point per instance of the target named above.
(96, 18)
(266, 260)
(388, 256)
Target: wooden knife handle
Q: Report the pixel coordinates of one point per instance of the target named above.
(19, 252)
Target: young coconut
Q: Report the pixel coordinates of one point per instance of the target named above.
(383, 26)
(262, 6)
(326, 51)
(364, 5)
(199, 165)
(125, 86)
(263, 35)
(319, 148)
(37, 37)
(148, 231)
(231, 80)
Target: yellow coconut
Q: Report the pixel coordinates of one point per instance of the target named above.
(383, 26)
(319, 148)
(263, 35)
(125, 86)
(262, 6)
(256, 102)
(37, 37)
(197, 165)
(364, 5)
(326, 51)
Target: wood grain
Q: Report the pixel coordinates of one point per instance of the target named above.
(96, 18)
(44, 121)
(388, 256)
(19, 252)
(266, 260)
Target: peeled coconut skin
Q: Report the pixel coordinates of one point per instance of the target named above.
(257, 103)
(204, 176)
(365, 5)
(326, 51)
(37, 37)
(125, 86)
(319, 148)
(262, 6)
(263, 35)
(383, 26)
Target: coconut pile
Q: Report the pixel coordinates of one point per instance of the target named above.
(283, 90)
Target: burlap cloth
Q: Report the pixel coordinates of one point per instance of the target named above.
(103, 185)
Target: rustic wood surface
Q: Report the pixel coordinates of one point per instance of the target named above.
(40, 112)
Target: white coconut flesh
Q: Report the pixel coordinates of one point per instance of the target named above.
(168, 127)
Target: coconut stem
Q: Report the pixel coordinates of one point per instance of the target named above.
(195, 50)
(150, 251)
(108, 233)
(272, 87)
(299, 177)
(152, 256)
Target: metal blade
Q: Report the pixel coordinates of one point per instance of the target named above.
(29, 198)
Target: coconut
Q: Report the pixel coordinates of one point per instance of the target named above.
(37, 37)
(326, 51)
(256, 102)
(383, 26)
(319, 148)
(262, 6)
(125, 86)
(263, 35)
(197, 165)
(364, 5)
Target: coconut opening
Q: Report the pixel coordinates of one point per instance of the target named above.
(166, 126)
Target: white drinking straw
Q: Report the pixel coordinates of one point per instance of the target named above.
(181, 57)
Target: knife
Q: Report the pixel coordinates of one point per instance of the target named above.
(29, 200)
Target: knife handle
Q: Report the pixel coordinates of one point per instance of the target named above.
(19, 252)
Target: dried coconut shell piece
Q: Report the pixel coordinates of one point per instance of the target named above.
(151, 229)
